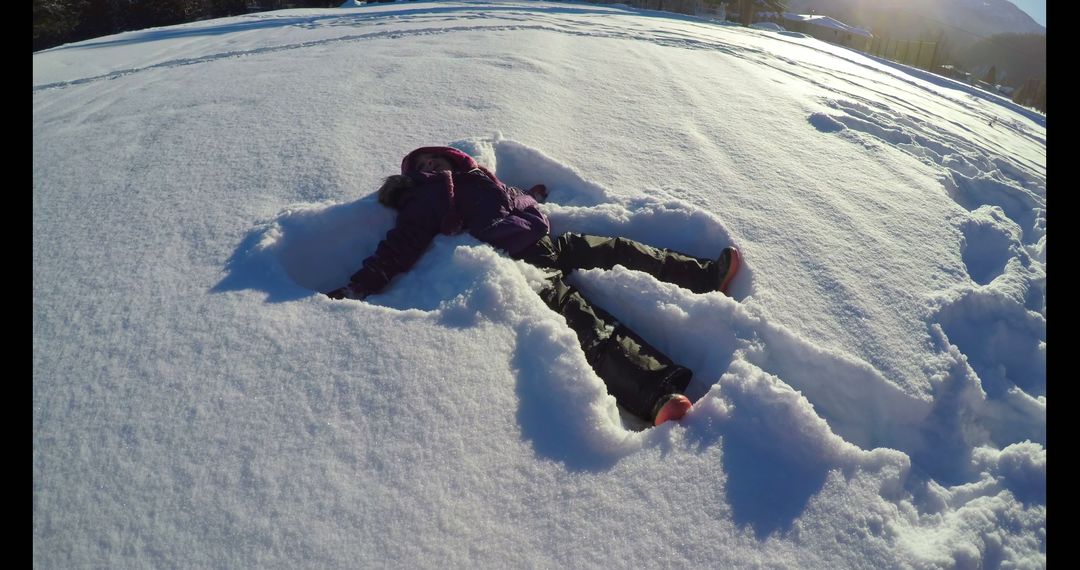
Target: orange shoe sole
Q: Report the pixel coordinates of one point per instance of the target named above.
(733, 268)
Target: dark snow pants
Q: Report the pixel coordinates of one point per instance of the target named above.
(636, 373)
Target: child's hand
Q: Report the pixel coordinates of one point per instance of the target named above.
(539, 193)
(346, 292)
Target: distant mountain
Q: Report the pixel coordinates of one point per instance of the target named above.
(961, 22)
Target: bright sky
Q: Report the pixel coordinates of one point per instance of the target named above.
(1035, 8)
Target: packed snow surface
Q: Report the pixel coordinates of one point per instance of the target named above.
(872, 395)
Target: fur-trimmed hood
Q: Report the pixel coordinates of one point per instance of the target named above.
(460, 161)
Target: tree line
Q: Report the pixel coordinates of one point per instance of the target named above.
(59, 22)
(1016, 58)
(1013, 60)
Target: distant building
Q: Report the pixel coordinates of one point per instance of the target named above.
(828, 29)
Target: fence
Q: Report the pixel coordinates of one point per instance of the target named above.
(909, 52)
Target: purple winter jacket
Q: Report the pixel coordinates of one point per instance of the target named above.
(470, 198)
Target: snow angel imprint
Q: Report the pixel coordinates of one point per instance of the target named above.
(444, 190)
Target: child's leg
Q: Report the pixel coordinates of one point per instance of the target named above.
(636, 373)
(577, 251)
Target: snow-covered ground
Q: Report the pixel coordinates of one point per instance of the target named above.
(873, 395)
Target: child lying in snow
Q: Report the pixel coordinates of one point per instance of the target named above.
(443, 190)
